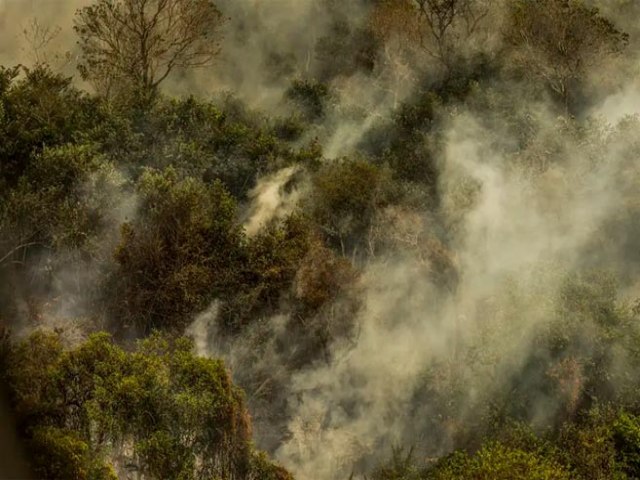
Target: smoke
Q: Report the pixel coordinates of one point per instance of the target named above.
(39, 31)
(274, 197)
(275, 40)
(514, 238)
(514, 250)
(622, 104)
(525, 213)
(514, 247)
(363, 103)
(257, 362)
(266, 44)
(201, 327)
(75, 276)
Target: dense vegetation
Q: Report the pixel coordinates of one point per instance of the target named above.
(418, 261)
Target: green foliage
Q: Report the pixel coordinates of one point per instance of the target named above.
(181, 413)
(593, 330)
(400, 467)
(274, 257)
(588, 445)
(60, 454)
(557, 40)
(63, 200)
(602, 444)
(213, 141)
(289, 295)
(271, 261)
(583, 333)
(289, 128)
(30, 368)
(346, 194)
(38, 109)
(495, 461)
(626, 438)
(310, 97)
(263, 469)
(181, 251)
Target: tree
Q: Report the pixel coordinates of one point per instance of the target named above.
(272, 258)
(138, 43)
(38, 108)
(53, 206)
(558, 40)
(345, 197)
(179, 253)
(310, 97)
(444, 21)
(495, 461)
(60, 453)
(439, 27)
(626, 437)
(90, 411)
(401, 466)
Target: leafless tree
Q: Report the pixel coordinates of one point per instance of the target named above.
(557, 41)
(138, 43)
(445, 24)
(440, 28)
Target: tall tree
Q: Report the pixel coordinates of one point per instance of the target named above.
(138, 43)
(557, 41)
(440, 28)
(97, 412)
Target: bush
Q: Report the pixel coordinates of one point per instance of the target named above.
(496, 461)
(346, 195)
(181, 251)
(180, 413)
(38, 109)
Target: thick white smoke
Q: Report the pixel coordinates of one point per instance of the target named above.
(514, 230)
(274, 197)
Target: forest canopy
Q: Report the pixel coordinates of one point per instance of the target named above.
(313, 239)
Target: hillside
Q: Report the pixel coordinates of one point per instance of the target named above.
(321, 240)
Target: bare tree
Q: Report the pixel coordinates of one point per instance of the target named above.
(42, 45)
(138, 43)
(394, 26)
(440, 28)
(37, 37)
(449, 23)
(557, 41)
(439, 16)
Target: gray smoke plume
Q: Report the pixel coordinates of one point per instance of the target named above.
(520, 223)
(513, 232)
(274, 197)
